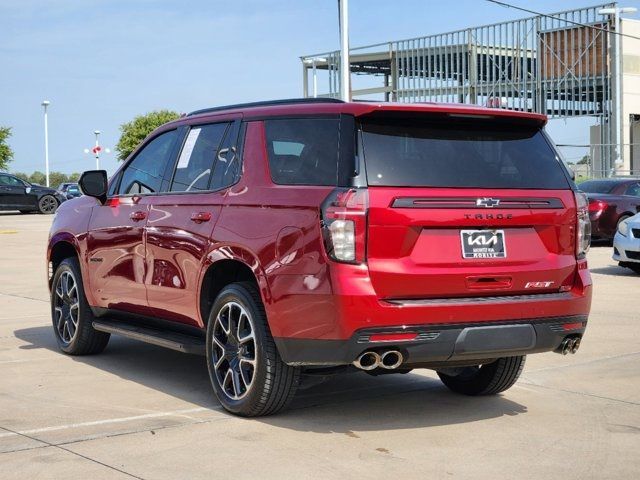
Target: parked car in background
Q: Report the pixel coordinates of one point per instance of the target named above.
(299, 239)
(17, 194)
(611, 201)
(70, 190)
(626, 243)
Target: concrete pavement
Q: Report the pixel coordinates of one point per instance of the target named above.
(144, 412)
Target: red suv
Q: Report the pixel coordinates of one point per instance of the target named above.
(291, 239)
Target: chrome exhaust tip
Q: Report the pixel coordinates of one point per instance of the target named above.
(391, 359)
(566, 346)
(575, 345)
(367, 361)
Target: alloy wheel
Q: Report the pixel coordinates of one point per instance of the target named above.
(48, 204)
(234, 350)
(66, 307)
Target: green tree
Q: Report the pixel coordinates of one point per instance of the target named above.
(74, 177)
(56, 178)
(135, 131)
(22, 176)
(38, 177)
(6, 154)
(586, 160)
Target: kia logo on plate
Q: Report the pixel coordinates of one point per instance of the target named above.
(487, 202)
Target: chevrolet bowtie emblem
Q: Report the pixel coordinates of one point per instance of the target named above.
(487, 202)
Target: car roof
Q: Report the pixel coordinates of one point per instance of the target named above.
(317, 106)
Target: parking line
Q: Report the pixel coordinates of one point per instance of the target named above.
(175, 413)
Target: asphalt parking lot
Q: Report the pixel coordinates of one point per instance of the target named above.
(144, 412)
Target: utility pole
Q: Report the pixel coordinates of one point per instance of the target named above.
(345, 66)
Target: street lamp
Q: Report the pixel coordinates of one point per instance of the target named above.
(616, 12)
(45, 104)
(97, 149)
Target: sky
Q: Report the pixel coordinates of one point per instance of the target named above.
(102, 62)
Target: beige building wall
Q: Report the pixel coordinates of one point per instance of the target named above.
(630, 95)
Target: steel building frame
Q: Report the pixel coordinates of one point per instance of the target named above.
(559, 64)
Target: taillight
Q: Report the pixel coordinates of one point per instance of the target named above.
(344, 224)
(583, 224)
(596, 207)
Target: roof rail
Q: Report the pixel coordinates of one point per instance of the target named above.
(286, 101)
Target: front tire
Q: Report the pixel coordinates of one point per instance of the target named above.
(246, 372)
(71, 315)
(48, 205)
(488, 379)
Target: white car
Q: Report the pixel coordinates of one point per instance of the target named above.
(626, 243)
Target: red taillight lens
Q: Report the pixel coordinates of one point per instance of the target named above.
(597, 206)
(583, 225)
(344, 224)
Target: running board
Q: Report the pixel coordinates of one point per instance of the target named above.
(162, 338)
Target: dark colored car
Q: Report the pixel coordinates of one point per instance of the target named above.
(17, 194)
(610, 202)
(298, 239)
(70, 190)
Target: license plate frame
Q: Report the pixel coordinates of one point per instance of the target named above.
(483, 244)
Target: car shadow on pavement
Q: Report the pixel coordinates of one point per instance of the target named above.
(344, 403)
(613, 270)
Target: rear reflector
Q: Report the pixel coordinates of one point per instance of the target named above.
(572, 326)
(392, 337)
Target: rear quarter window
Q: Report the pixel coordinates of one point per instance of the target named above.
(468, 155)
(303, 151)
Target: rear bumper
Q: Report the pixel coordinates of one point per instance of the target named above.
(626, 249)
(439, 344)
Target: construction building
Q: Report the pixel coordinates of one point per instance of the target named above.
(561, 64)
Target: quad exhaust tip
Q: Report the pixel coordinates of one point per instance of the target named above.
(389, 360)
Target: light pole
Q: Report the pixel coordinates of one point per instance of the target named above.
(345, 67)
(45, 104)
(616, 12)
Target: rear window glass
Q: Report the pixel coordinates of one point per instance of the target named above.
(448, 154)
(596, 186)
(303, 151)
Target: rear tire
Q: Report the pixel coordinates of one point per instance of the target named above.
(246, 372)
(48, 205)
(70, 313)
(488, 379)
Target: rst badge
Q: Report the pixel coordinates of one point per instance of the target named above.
(483, 244)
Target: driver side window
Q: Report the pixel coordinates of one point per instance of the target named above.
(634, 190)
(145, 172)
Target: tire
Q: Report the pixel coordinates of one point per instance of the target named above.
(488, 379)
(74, 337)
(237, 335)
(48, 205)
(634, 268)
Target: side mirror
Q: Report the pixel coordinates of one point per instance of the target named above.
(94, 184)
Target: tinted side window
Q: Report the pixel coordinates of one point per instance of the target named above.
(303, 151)
(228, 164)
(10, 181)
(144, 173)
(198, 157)
(634, 190)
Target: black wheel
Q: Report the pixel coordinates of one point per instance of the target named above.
(71, 315)
(246, 372)
(486, 379)
(48, 205)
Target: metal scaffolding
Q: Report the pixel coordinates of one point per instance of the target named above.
(558, 64)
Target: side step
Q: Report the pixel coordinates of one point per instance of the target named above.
(163, 338)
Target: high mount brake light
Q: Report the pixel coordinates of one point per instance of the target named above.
(344, 224)
(583, 225)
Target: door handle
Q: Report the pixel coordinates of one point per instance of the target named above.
(138, 215)
(200, 217)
